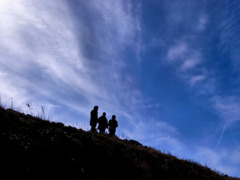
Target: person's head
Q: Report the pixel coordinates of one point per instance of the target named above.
(113, 117)
(104, 114)
(95, 108)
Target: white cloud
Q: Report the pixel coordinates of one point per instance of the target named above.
(189, 67)
(227, 107)
(158, 134)
(202, 22)
(189, 64)
(228, 32)
(32, 39)
(43, 55)
(116, 27)
(234, 156)
(196, 79)
(177, 52)
(211, 157)
(117, 15)
(218, 159)
(184, 51)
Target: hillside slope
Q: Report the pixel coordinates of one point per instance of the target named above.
(32, 148)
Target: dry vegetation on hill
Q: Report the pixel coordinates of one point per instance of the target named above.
(32, 148)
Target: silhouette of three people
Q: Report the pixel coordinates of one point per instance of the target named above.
(102, 122)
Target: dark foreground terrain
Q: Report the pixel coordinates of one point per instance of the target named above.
(31, 148)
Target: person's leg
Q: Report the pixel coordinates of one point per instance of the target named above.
(111, 131)
(93, 129)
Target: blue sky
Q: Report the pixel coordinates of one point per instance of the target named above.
(168, 70)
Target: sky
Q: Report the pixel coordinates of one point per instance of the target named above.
(169, 70)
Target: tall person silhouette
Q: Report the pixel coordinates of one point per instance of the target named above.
(94, 118)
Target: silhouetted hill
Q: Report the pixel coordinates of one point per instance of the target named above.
(32, 148)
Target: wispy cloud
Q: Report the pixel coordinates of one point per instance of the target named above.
(235, 156)
(194, 66)
(229, 110)
(189, 65)
(202, 22)
(228, 107)
(229, 29)
(48, 54)
(177, 52)
(219, 160)
(184, 50)
(195, 79)
(163, 136)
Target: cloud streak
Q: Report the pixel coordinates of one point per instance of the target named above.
(193, 63)
(229, 30)
(219, 160)
(50, 54)
(184, 52)
(229, 109)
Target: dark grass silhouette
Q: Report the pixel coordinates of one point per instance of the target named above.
(31, 148)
